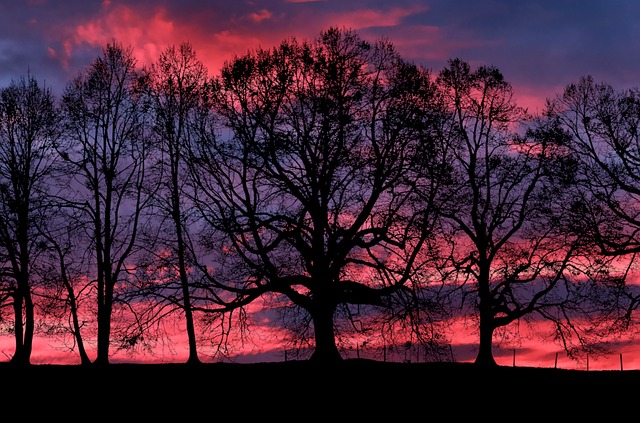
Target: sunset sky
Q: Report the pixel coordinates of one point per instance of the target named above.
(540, 46)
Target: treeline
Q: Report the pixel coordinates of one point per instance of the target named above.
(347, 191)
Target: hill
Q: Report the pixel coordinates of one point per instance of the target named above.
(354, 390)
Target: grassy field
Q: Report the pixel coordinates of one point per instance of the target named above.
(355, 390)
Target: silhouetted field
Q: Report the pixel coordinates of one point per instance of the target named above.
(355, 390)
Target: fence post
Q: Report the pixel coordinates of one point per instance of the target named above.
(514, 357)
(555, 365)
(621, 362)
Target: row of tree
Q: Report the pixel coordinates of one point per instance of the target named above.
(346, 189)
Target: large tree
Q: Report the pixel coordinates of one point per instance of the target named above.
(510, 247)
(29, 122)
(306, 187)
(105, 118)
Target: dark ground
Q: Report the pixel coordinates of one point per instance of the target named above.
(353, 391)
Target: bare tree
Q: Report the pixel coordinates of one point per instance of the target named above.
(29, 120)
(509, 244)
(306, 187)
(105, 113)
(66, 299)
(178, 82)
(604, 127)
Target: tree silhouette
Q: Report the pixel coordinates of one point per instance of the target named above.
(603, 125)
(105, 118)
(306, 186)
(29, 131)
(346, 191)
(509, 245)
(66, 298)
(178, 82)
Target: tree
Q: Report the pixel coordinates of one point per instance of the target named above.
(105, 116)
(178, 82)
(67, 295)
(509, 244)
(604, 126)
(29, 120)
(306, 188)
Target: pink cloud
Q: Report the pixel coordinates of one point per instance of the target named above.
(367, 18)
(149, 32)
(147, 35)
(260, 15)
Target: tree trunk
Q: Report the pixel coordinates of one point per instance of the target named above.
(104, 328)
(191, 333)
(104, 332)
(24, 322)
(184, 279)
(485, 352)
(82, 352)
(18, 356)
(326, 350)
(29, 328)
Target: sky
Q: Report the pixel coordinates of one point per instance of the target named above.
(540, 46)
